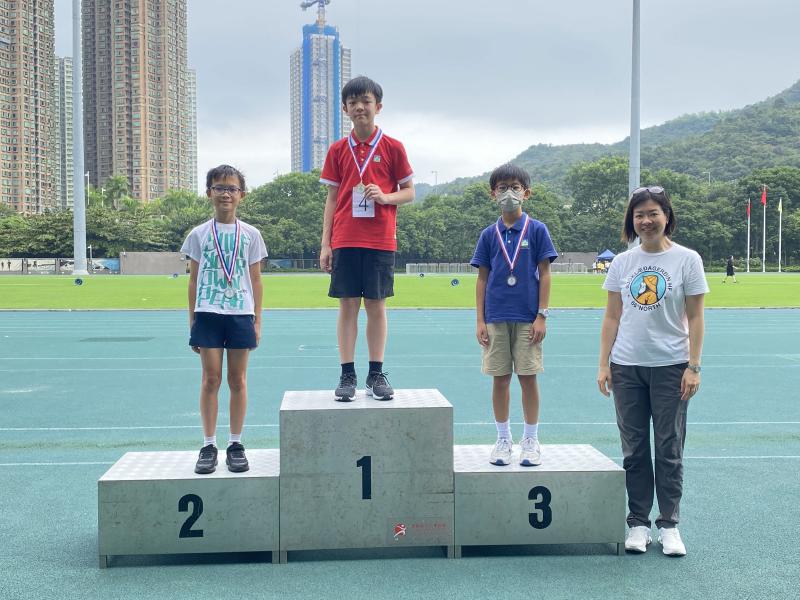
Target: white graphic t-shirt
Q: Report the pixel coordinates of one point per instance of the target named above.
(211, 280)
(654, 330)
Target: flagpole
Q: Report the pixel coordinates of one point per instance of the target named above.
(764, 231)
(780, 225)
(748, 235)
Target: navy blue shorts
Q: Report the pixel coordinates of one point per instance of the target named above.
(212, 330)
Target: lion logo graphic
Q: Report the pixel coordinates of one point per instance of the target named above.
(648, 288)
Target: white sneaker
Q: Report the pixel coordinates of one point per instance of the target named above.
(501, 454)
(530, 452)
(671, 542)
(637, 539)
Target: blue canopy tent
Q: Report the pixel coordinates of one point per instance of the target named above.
(606, 255)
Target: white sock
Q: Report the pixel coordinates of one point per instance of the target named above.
(531, 431)
(235, 438)
(210, 440)
(503, 430)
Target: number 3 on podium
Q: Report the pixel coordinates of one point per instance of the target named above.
(544, 515)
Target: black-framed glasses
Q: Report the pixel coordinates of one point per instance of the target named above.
(653, 189)
(230, 189)
(502, 188)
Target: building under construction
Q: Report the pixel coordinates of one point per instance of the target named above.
(318, 71)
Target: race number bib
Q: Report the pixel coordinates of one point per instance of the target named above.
(362, 206)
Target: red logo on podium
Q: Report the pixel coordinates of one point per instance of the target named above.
(399, 530)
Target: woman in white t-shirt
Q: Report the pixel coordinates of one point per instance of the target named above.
(650, 347)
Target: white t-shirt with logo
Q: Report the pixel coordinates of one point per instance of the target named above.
(211, 280)
(654, 329)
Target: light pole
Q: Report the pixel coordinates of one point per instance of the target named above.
(708, 189)
(91, 267)
(78, 209)
(87, 187)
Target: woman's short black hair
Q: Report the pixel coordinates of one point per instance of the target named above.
(643, 194)
(509, 172)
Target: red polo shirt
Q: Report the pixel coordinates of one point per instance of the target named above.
(388, 167)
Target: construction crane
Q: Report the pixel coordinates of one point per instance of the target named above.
(320, 9)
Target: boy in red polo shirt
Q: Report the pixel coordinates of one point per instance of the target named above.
(368, 177)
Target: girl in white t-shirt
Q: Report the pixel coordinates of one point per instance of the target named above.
(224, 310)
(650, 347)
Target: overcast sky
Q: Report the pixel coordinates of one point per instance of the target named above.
(470, 84)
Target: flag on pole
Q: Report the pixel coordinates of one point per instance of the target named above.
(764, 195)
(748, 209)
(780, 205)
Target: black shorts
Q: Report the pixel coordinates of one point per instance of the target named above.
(361, 272)
(212, 330)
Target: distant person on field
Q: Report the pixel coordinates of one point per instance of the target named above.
(729, 272)
(512, 296)
(368, 177)
(224, 310)
(650, 346)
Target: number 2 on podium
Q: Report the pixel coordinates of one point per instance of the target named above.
(365, 464)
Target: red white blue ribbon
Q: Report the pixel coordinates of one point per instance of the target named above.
(228, 270)
(512, 261)
(362, 168)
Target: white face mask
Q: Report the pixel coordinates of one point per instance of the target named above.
(509, 200)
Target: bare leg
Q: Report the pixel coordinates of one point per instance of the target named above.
(237, 382)
(501, 398)
(347, 328)
(530, 398)
(211, 359)
(376, 328)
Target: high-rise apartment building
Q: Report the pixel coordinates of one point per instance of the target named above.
(317, 71)
(191, 91)
(136, 108)
(26, 115)
(62, 131)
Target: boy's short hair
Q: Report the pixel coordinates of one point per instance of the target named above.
(658, 195)
(222, 172)
(359, 86)
(507, 172)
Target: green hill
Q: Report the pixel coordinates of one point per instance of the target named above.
(730, 144)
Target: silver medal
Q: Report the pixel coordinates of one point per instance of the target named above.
(229, 293)
(512, 280)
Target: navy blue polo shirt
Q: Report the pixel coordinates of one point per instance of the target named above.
(518, 303)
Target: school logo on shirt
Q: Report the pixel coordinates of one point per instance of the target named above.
(648, 286)
(377, 158)
(524, 244)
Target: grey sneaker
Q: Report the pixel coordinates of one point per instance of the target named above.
(379, 386)
(501, 453)
(207, 461)
(346, 391)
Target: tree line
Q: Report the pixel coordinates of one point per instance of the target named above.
(583, 214)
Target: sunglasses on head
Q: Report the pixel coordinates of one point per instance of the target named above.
(653, 189)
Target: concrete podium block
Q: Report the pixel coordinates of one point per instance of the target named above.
(366, 474)
(576, 496)
(154, 503)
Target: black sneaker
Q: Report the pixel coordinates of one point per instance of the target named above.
(346, 391)
(379, 386)
(236, 460)
(207, 462)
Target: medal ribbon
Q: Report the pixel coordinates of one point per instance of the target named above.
(362, 169)
(511, 262)
(225, 268)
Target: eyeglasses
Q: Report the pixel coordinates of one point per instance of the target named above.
(230, 189)
(653, 189)
(517, 187)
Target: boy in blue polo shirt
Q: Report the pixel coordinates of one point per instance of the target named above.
(513, 258)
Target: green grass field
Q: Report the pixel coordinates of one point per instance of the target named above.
(50, 292)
